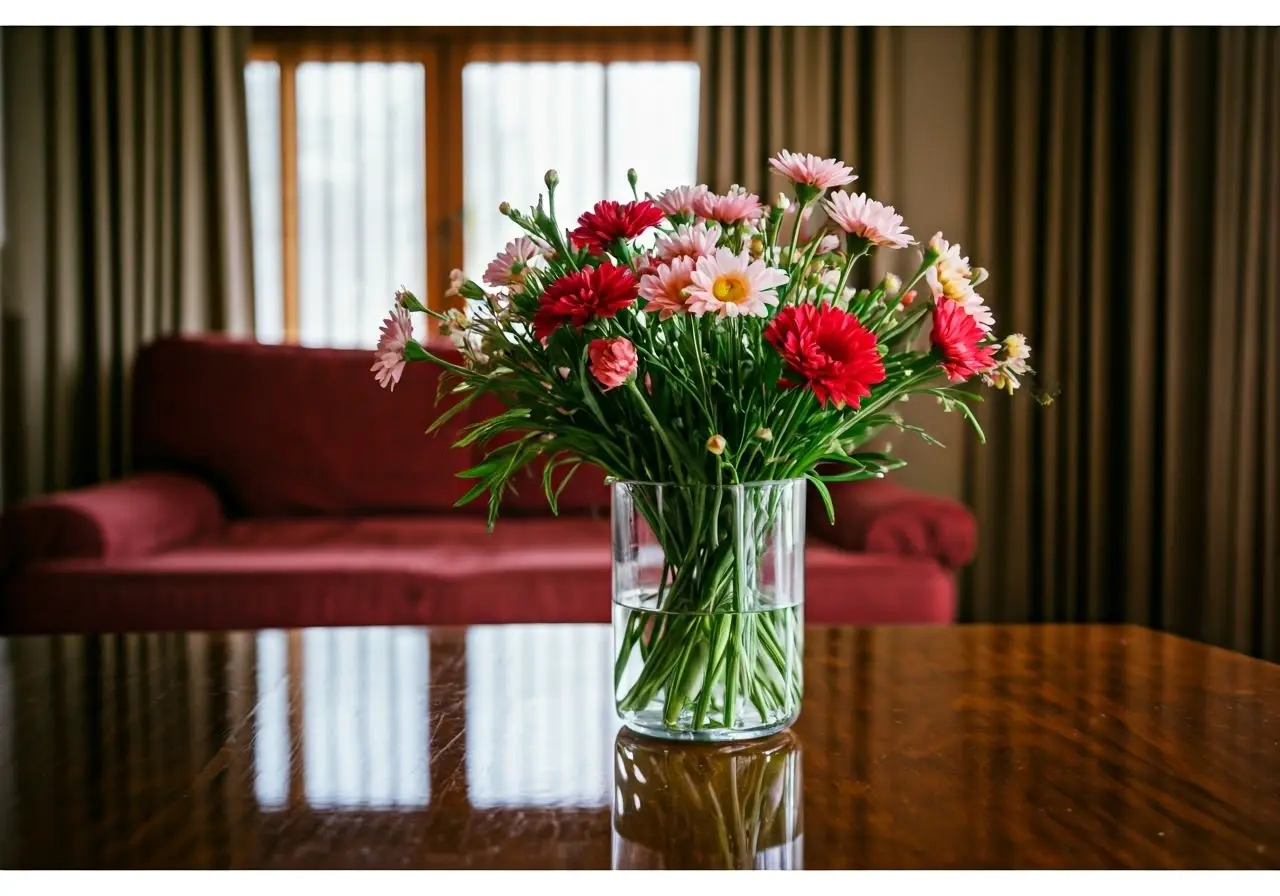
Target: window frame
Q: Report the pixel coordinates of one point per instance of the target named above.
(443, 52)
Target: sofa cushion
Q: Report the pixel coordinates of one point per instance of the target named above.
(283, 430)
(415, 571)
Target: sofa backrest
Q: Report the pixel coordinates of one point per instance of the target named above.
(283, 430)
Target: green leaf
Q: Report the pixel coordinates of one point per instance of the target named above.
(486, 429)
(588, 397)
(822, 490)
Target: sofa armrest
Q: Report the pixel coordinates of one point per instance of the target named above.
(879, 516)
(132, 517)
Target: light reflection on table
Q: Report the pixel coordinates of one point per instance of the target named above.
(984, 746)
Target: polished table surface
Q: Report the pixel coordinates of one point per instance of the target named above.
(974, 746)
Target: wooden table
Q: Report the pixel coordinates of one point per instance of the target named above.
(983, 746)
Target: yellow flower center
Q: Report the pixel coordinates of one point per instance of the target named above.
(730, 288)
(955, 288)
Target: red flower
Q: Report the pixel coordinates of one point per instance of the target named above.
(829, 350)
(579, 297)
(611, 221)
(956, 336)
(612, 361)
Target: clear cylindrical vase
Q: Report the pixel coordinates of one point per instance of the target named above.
(708, 608)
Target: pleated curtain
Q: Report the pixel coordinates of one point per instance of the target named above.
(126, 211)
(819, 90)
(1123, 186)
(1127, 192)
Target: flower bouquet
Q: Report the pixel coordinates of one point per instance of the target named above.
(717, 358)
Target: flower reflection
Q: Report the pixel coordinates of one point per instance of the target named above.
(735, 806)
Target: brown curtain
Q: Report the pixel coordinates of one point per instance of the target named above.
(818, 90)
(1127, 198)
(126, 213)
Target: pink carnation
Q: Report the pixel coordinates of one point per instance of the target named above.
(612, 361)
(808, 169)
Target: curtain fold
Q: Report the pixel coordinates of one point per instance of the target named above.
(127, 217)
(819, 90)
(1127, 198)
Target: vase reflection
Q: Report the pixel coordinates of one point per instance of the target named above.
(694, 806)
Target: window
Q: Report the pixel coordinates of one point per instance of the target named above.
(382, 161)
(587, 128)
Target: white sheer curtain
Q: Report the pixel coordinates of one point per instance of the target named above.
(590, 122)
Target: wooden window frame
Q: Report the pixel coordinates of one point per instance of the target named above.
(443, 53)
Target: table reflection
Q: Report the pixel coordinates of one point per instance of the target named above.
(364, 738)
(540, 718)
(694, 806)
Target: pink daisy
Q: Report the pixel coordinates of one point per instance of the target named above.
(397, 332)
(509, 267)
(667, 290)
(733, 207)
(733, 285)
(876, 223)
(812, 171)
(680, 200)
(689, 241)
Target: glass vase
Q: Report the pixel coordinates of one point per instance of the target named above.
(708, 608)
(731, 806)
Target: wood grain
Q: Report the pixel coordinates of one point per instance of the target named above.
(969, 747)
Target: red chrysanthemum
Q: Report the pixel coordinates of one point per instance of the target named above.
(579, 297)
(611, 221)
(829, 350)
(956, 336)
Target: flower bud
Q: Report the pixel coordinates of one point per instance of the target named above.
(977, 275)
(757, 247)
(784, 201)
(764, 434)
(504, 208)
(716, 444)
(551, 178)
(829, 243)
(908, 297)
(632, 177)
(456, 280)
(891, 284)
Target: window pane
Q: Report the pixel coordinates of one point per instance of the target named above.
(667, 159)
(262, 96)
(361, 195)
(519, 119)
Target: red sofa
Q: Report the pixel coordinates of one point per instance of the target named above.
(283, 488)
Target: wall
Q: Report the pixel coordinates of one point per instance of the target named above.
(932, 125)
